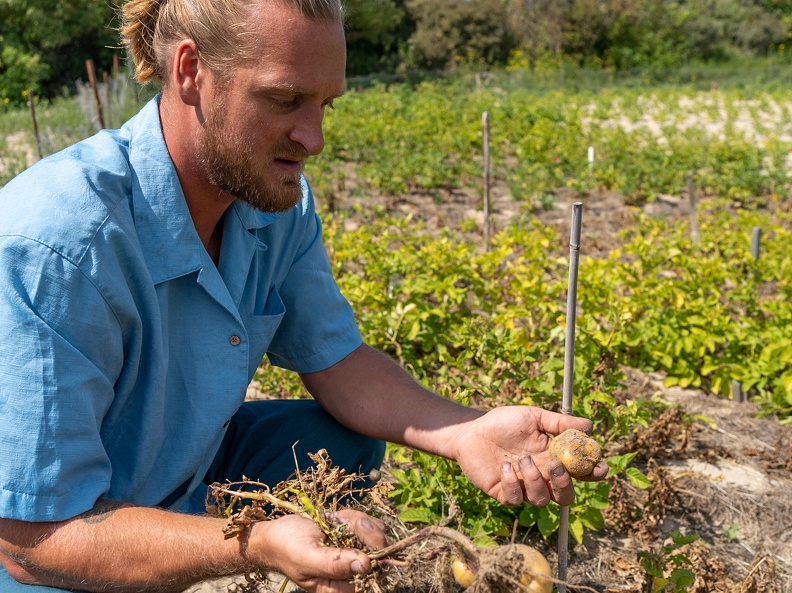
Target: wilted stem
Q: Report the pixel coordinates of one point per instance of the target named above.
(436, 530)
(266, 497)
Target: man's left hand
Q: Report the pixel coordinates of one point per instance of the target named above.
(504, 453)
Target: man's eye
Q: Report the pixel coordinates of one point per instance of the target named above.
(285, 102)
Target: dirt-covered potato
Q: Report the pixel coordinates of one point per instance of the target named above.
(500, 568)
(577, 451)
(463, 573)
(536, 570)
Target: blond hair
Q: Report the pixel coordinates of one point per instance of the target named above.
(151, 28)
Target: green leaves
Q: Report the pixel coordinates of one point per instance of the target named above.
(487, 329)
(396, 139)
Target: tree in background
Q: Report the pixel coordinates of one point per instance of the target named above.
(448, 32)
(623, 34)
(376, 31)
(45, 44)
(719, 29)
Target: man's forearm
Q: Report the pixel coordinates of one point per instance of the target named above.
(370, 393)
(117, 547)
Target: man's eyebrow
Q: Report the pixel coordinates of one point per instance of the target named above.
(287, 87)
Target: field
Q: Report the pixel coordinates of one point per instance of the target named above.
(669, 321)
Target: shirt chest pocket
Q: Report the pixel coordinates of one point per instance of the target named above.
(261, 329)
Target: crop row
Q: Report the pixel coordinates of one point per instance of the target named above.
(488, 328)
(397, 139)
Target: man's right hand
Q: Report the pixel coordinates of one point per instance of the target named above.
(295, 547)
(139, 548)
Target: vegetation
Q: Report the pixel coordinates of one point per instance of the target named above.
(489, 327)
(45, 42)
(646, 140)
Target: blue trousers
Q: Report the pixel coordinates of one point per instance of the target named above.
(258, 444)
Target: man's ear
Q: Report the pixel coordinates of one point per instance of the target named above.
(188, 72)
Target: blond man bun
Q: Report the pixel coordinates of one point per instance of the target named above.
(139, 22)
(151, 28)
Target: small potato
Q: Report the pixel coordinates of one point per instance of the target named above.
(462, 573)
(577, 451)
(536, 574)
(498, 568)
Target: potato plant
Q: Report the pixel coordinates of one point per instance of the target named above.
(397, 139)
(319, 492)
(488, 327)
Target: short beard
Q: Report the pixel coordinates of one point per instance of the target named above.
(228, 164)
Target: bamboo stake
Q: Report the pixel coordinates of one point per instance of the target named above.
(691, 191)
(485, 124)
(92, 79)
(35, 124)
(569, 374)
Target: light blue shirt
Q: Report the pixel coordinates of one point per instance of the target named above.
(123, 349)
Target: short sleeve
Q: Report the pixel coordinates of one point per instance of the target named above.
(57, 369)
(319, 327)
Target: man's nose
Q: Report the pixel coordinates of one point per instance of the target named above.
(308, 132)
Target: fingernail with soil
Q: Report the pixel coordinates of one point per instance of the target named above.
(356, 567)
(335, 518)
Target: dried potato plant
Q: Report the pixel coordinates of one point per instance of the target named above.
(417, 560)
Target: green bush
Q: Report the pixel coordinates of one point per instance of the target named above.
(450, 32)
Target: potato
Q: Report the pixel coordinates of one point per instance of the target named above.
(463, 574)
(500, 566)
(536, 574)
(577, 451)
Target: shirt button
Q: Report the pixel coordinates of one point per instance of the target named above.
(234, 340)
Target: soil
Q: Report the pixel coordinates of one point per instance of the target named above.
(718, 469)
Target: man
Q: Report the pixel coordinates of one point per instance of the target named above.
(146, 271)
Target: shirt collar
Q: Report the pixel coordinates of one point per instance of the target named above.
(168, 238)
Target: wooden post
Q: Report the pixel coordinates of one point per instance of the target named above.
(485, 125)
(92, 79)
(756, 242)
(115, 80)
(132, 80)
(106, 80)
(35, 123)
(691, 191)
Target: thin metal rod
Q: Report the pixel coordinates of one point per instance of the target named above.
(486, 132)
(569, 374)
(569, 347)
(756, 242)
(736, 391)
(691, 192)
